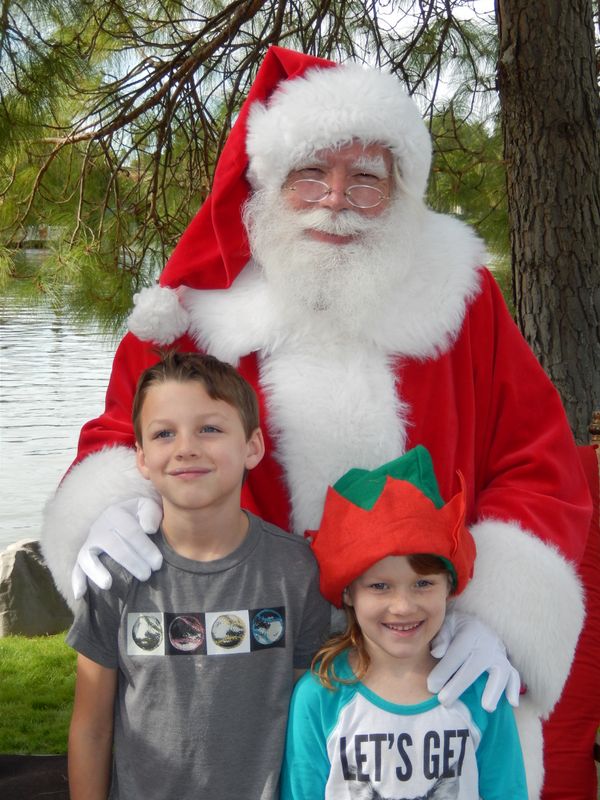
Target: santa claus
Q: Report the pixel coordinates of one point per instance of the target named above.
(368, 325)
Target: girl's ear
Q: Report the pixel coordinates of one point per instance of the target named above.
(347, 597)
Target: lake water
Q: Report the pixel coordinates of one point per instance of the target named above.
(53, 377)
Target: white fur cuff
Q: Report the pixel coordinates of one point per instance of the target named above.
(531, 596)
(102, 479)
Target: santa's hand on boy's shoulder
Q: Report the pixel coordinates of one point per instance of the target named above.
(467, 648)
(121, 531)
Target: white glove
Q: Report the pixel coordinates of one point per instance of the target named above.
(467, 648)
(121, 532)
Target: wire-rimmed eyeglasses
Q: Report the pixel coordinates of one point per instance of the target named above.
(359, 195)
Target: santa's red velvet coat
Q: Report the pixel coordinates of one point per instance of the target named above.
(443, 366)
(484, 407)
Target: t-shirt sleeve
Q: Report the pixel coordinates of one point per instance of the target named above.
(315, 620)
(306, 764)
(95, 629)
(499, 757)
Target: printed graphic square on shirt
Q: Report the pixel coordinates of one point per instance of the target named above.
(227, 632)
(267, 627)
(186, 633)
(146, 633)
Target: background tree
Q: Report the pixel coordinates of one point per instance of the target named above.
(112, 117)
(550, 116)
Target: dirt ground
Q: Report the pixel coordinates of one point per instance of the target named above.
(33, 777)
(45, 778)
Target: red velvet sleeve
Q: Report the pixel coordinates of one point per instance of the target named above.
(114, 426)
(530, 470)
(487, 408)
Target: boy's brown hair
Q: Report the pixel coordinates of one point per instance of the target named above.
(221, 381)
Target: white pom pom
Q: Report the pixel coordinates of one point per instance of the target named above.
(158, 316)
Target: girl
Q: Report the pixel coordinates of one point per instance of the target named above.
(363, 725)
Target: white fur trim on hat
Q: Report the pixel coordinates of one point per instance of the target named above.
(329, 107)
(158, 316)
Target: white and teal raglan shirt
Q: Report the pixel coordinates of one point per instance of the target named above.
(351, 744)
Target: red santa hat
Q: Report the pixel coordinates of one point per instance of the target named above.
(214, 248)
(394, 510)
(297, 105)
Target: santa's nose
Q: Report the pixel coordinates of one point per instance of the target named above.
(336, 199)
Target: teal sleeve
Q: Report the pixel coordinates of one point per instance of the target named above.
(499, 756)
(306, 762)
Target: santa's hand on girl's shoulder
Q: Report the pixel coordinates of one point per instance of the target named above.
(467, 648)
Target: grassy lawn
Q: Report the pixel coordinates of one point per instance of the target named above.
(37, 680)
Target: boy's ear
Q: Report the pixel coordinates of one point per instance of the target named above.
(141, 461)
(255, 448)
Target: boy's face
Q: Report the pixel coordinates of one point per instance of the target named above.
(398, 610)
(193, 448)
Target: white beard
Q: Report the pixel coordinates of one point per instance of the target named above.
(345, 287)
(331, 389)
(327, 323)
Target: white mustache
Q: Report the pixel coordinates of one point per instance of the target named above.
(345, 223)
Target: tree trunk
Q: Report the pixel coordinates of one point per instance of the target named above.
(550, 116)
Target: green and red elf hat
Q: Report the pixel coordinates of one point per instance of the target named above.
(394, 510)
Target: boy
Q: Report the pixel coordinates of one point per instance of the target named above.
(198, 662)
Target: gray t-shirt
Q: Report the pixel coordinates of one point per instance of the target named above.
(205, 653)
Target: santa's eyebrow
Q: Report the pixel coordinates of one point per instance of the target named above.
(307, 163)
(374, 164)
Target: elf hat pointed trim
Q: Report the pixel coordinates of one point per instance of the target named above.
(401, 520)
